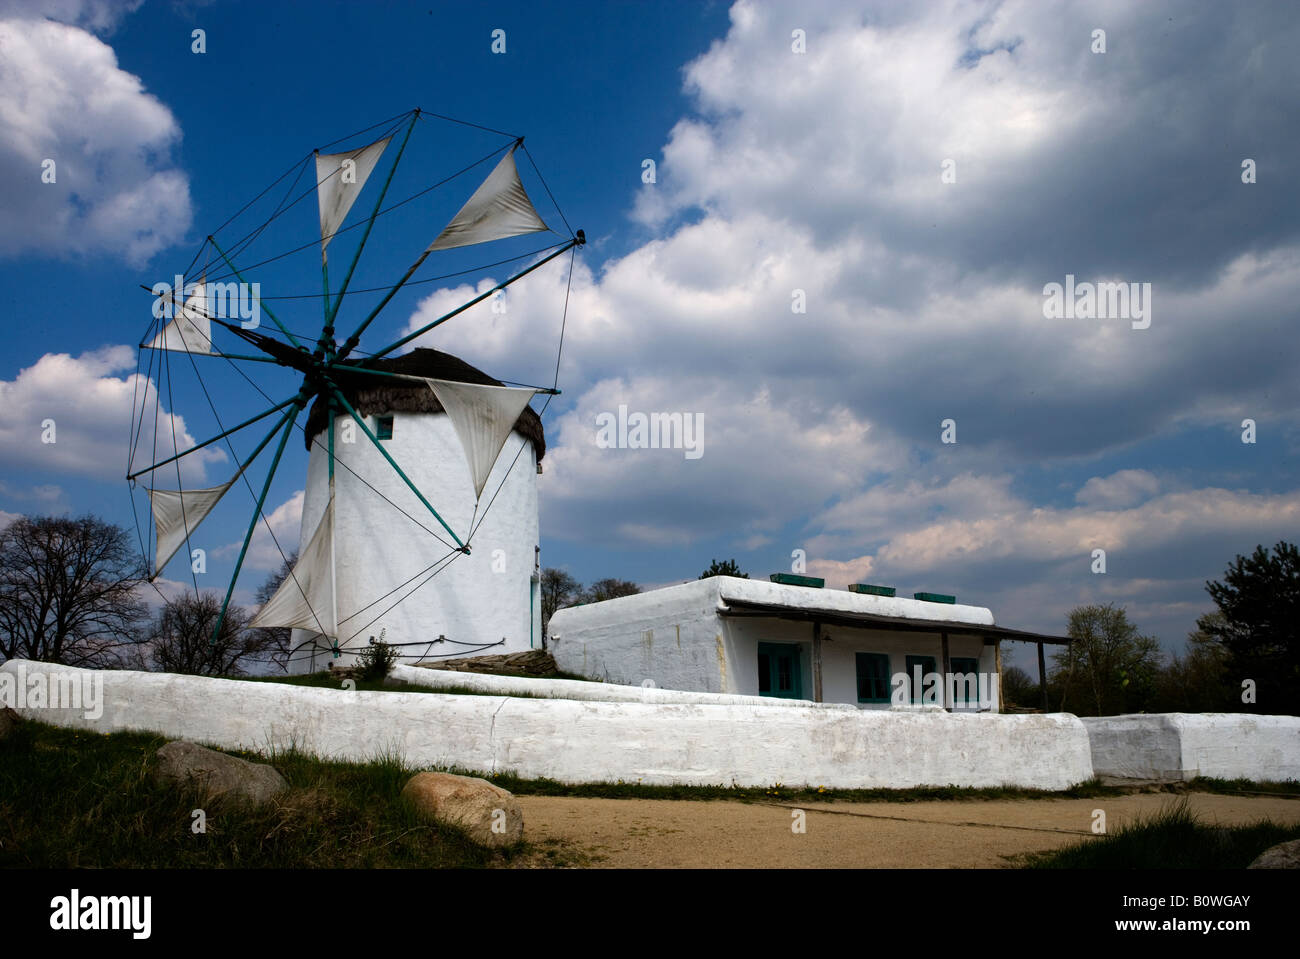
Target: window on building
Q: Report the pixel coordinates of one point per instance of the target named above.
(965, 693)
(778, 671)
(873, 678)
(918, 689)
(384, 427)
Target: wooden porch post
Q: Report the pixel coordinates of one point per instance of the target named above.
(817, 661)
(947, 670)
(1042, 677)
(997, 658)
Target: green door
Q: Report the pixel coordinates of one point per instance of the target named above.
(927, 666)
(778, 670)
(964, 694)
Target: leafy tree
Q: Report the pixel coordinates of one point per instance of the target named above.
(1109, 665)
(69, 591)
(1019, 688)
(725, 568)
(278, 639)
(603, 589)
(1197, 681)
(181, 638)
(1259, 625)
(559, 589)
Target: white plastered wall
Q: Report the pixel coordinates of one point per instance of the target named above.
(1182, 746)
(576, 742)
(478, 598)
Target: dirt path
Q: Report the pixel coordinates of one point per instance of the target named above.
(649, 833)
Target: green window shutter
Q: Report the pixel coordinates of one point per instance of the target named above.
(873, 678)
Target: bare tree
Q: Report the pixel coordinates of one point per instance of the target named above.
(1117, 665)
(69, 591)
(559, 589)
(603, 589)
(181, 638)
(277, 639)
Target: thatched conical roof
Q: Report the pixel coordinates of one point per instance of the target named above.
(380, 395)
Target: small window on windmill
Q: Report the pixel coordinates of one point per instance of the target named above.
(384, 427)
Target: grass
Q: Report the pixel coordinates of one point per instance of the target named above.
(326, 680)
(82, 800)
(1246, 787)
(1174, 837)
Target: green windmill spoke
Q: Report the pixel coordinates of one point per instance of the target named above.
(289, 418)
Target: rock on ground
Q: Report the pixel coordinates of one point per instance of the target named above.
(1282, 856)
(221, 777)
(488, 814)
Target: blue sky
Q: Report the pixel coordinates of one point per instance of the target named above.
(777, 171)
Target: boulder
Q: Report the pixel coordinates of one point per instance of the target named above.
(488, 814)
(9, 721)
(220, 777)
(1282, 856)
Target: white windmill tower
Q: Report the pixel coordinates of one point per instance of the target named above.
(396, 572)
(420, 509)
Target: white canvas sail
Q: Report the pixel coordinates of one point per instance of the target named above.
(305, 600)
(483, 417)
(177, 513)
(339, 179)
(189, 330)
(499, 208)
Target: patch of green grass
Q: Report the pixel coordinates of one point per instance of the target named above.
(1289, 789)
(74, 799)
(1174, 837)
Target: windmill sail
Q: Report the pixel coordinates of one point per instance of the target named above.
(189, 331)
(498, 209)
(305, 600)
(483, 417)
(339, 179)
(177, 513)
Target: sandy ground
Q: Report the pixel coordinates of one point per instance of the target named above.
(654, 833)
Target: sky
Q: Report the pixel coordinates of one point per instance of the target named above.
(824, 233)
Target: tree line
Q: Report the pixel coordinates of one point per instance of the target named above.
(1244, 656)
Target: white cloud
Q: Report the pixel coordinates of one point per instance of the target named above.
(285, 522)
(1013, 531)
(64, 98)
(99, 16)
(762, 455)
(1125, 488)
(91, 409)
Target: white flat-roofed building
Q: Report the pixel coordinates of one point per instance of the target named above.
(725, 634)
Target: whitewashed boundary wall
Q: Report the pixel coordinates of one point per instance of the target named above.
(579, 742)
(1182, 746)
(583, 690)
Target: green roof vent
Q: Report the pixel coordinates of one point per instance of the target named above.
(871, 590)
(936, 598)
(790, 579)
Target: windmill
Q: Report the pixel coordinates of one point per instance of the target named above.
(326, 597)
